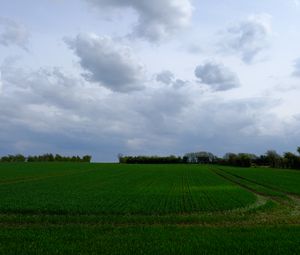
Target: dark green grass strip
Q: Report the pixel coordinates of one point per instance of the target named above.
(149, 240)
(207, 219)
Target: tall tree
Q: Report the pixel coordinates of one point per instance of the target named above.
(274, 158)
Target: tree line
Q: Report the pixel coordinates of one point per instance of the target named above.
(271, 159)
(149, 160)
(45, 158)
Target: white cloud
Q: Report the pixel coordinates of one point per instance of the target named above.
(157, 19)
(249, 38)
(108, 63)
(217, 76)
(13, 33)
(296, 72)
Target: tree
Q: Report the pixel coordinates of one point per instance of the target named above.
(298, 149)
(185, 159)
(290, 160)
(5, 159)
(241, 159)
(58, 157)
(19, 158)
(230, 158)
(244, 160)
(191, 157)
(201, 157)
(262, 160)
(13, 158)
(273, 158)
(204, 157)
(87, 158)
(121, 158)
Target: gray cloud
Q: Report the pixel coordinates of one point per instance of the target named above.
(165, 77)
(217, 76)
(249, 38)
(168, 78)
(107, 63)
(157, 19)
(12, 33)
(178, 83)
(296, 72)
(47, 110)
(66, 114)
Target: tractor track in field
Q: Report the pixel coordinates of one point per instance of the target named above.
(244, 186)
(290, 201)
(261, 184)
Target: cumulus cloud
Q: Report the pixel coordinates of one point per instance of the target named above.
(217, 76)
(157, 19)
(168, 78)
(107, 63)
(165, 77)
(296, 72)
(248, 38)
(13, 33)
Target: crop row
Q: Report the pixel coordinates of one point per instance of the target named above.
(120, 189)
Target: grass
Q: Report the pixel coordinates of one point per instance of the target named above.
(115, 189)
(73, 208)
(252, 185)
(150, 240)
(282, 180)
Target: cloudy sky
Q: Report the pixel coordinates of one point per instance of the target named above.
(103, 77)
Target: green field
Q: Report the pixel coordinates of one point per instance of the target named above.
(77, 208)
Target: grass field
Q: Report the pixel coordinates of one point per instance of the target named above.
(77, 208)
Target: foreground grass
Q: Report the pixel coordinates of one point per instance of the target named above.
(150, 240)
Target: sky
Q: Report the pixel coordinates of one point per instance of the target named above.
(160, 77)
